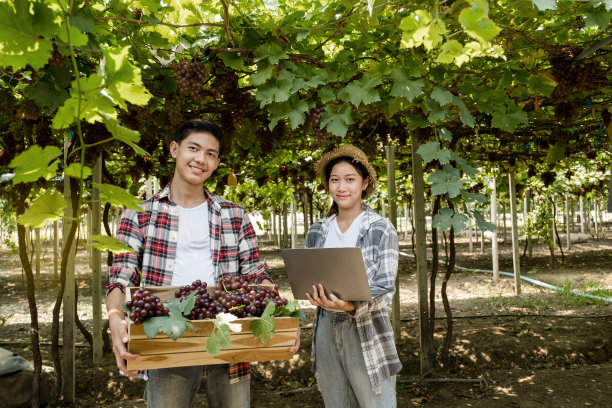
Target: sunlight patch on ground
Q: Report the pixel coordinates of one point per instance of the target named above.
(528, 379)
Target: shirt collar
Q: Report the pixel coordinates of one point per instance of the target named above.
(212, 199)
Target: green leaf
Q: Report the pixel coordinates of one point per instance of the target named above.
(361, 91)
(464, 113)
(128, 136)
(117, 196)
(326, 95)
(232, 60)
(297, 115)
(272, 52)
(264, 327)
(555, 153)
(445, 134)
(404, 87)
(431, 151)
(442, 96)
(35, 163)
(74, 170)
(106, 243)
(437, 112)
(291, 309)
(337, 122)
(545, 4)
(174, 326)
(123, 80)
(467, 168)
(478, 25)
(597, 17)
(446, 181)
(451, 51)
(483, 224)
(541, 84)
(509, 120)
(77, 38)
(49, 206)
(213, 345)
(264, 72)
(474, 197)
(447, 218)
(25, 29)
(186, 305)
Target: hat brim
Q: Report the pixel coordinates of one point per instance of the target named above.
(354, 153)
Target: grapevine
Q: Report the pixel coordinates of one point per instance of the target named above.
(190, 78)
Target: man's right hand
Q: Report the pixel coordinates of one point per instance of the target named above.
(118, 328)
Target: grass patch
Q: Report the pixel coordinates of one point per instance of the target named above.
(569, 298)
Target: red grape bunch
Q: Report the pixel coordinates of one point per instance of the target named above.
(190, 78)
(314, 118)
(144, 305)
(230, 295)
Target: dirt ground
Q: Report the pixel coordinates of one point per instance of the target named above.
(540, 349)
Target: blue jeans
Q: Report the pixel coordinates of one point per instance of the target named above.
(177, 387)
(340, 367)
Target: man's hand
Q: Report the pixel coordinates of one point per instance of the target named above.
(118, 327)
(296, 345)
(319, 298)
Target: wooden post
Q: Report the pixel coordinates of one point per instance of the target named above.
(395, 304)
(515, 243)
(293, 223)
(89, 245)
(37, 252)
(384, 212)
(527, 211)
(504, 220)
(494, 250)
(55, 252)
(554, 223)
(469, 232)
(406, 221)
(582, 229)
(567, 223)
(596, 214)
(96, 266)
(69, 304)
(426, 346)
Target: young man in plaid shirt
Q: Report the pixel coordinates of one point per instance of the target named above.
(185, 233)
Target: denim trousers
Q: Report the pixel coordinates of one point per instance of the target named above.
(340, 367)
(177, 387)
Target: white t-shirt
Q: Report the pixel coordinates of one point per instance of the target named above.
(337, 239)
(193, 253)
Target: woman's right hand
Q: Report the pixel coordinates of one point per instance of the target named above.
(318, 298)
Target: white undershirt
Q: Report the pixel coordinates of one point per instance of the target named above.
(337, 239)
(193, 253)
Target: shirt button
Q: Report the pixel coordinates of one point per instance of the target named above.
(171, 265)
(173, 236)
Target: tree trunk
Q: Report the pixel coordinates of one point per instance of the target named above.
(24, 191)
(447, 309)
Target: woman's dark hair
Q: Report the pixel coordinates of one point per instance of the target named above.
(199, 125)
(328, 168)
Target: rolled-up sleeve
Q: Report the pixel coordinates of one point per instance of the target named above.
(123, 273)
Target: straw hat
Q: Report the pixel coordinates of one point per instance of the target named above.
(354, 153)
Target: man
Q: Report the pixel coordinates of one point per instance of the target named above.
(186, 233)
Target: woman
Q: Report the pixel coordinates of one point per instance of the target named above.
(354, 355)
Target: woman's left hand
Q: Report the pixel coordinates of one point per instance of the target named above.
(319, 298)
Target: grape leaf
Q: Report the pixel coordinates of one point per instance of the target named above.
(464, 165)
(447, 218)
(264, 327)
(478, 25)
(106, 243)
(74, 170)
(35, 163)
(431, 151)
(442, 96)
(404, 87)
(541, 84)
(445, 134)
(264, 72)
(220, 336)
(545, 4)
(47, 207)
(470, 197)
(126, 135)
(555, 153)
(483, 224)
(170, 324)
(272, 52)
(362, 91)
(117, 196)
(291, 309)
(445, 181)
(337, 122)
(25, 30)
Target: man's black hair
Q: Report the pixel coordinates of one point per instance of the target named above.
(199, 125)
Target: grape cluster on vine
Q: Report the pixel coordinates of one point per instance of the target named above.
(225, 83)
(239, 103)
(144, 305)
(314, 119)
(230, 295)
(190, 77)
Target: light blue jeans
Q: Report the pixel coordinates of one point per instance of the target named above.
(340, 367)
(177, 387)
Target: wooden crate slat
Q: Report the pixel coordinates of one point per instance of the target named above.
(205, 327)
(194, 344)
(204, 358)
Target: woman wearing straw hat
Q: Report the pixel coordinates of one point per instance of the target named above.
(354, 355)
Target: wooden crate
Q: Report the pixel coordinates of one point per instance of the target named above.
(190, 349)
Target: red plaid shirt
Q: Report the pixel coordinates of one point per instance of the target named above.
(153, 233)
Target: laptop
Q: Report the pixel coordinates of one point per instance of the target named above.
(340, 270)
